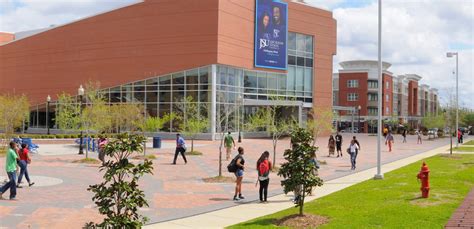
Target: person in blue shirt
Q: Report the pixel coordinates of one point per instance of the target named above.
(180, 148)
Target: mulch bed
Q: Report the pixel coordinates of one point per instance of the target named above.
(305, 221)
(220, 179)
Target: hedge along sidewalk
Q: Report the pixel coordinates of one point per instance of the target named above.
(245, 212)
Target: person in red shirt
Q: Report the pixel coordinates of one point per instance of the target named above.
(25, 159)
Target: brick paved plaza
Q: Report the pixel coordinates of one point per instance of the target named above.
(59, 199)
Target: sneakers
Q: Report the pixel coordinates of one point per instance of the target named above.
(18, 186)
(31, 184)
(236, 199)
(241, 197)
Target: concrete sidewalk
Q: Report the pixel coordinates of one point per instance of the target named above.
(233, 215)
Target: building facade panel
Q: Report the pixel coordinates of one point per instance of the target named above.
(148, 38)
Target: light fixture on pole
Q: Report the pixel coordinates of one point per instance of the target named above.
(80, 92)
(379, 174)
(358, 125)
(239, 140)
(48, 100)
(449, 55)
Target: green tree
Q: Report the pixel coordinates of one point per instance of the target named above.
(468, 119)
(192, 121)
(67, 113)
(153, 124)
(320, 121)
(118, 197)
(267, 119)
(297, 171)
(14, 110)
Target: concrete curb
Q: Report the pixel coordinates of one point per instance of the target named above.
(234, 215)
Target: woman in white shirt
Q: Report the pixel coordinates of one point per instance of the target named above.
(353, 150)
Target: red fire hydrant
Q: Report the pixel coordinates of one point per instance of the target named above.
(425, 181)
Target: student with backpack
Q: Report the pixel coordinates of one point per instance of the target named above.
(236, 166)
(263, 169)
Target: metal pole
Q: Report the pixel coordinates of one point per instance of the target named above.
(47, 117)
(359, 130)
(379, 174)
(457, 101)
(81, 150)
(352, 116)
(239, 140)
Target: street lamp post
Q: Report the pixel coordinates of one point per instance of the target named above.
(80, 92)
(239, 140)
(48, 100)
(379, 174)
(358, 125)
(451, 54)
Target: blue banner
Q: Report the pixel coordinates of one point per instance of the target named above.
(271, 30)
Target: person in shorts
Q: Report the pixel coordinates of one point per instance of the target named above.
(239, 174)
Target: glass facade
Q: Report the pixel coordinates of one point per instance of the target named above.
(163, 94)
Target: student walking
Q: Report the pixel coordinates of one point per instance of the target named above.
(228, 143)
(239, 174)
(356, 141)
(180, 149)
(353, 151)
(10, 167)
(338, 144)
(331, 145)
(389, 141)
(102, 143)
(404, 134)
(263, 169)
(25, 159)
(315, 161)
(419, 141)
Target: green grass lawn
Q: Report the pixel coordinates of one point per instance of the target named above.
(393, 202)
(469, 143)
(464, 149)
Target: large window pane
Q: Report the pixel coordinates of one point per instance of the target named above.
(139, 86)
(139, 96)
(204, 75)
(192, 79)
(291, 60)
(152, 109)
(292, 41)
(299, 80)
(308, 79)
(115, 95)
(290, 80)
(178, 95)
(222, 75)
(165, 96)
(309, 44)
(300, 43)
(152, 96)
(262, 82)
(152, 84)
(165, 83)
(178, 78)
(204, 96)
(300, 61)
(127, 94)
(250, 81)
(282, 83)
(231, 77)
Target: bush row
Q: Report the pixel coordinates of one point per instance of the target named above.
(58, 136)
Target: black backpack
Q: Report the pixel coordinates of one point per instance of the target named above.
(232, 167)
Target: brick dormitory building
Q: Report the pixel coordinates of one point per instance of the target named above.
(404, 99)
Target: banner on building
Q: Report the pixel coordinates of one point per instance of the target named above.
(271, 30)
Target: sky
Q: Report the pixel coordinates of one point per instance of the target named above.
(416, 34)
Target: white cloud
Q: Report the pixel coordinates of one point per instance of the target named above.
(416, 36)
(21, 15)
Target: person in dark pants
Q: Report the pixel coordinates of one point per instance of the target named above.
(10, 166)
(263, 169)
(353, 150)
(180, 148)
(356, 142)
(404, 134)
(338, 144)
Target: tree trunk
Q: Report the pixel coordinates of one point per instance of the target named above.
(87, 143)
(144, 144)
(302, 200)
(192, 145)
(274, 152)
